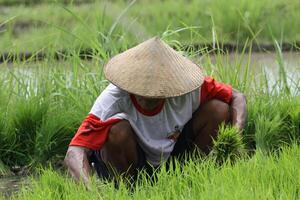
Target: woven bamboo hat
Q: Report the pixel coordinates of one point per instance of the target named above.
(153, 69)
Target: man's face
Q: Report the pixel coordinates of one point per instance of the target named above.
(148, 103)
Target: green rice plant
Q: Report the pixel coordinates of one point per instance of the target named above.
(44, 26)
(54, 185)
(269, 134)
(7, 140)
(283, 83)
(202, 179)
(46, 108)
(276, 127)
(291, 117)
(53, 137)
(27, 118)
(228, 146)
(272, 121)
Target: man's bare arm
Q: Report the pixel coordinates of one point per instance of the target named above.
(77, 162)
(238, 110)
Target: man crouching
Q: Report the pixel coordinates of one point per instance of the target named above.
(157, 106)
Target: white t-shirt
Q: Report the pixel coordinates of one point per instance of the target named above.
(154, 130)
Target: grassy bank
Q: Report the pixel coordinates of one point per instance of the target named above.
(54, 26)
(260, 177)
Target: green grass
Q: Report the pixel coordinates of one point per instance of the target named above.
(45, 25)
(260, 177)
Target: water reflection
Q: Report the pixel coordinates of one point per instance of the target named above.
(260, 63)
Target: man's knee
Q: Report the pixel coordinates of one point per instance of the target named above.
(217, 111)
(120, 150)
(121, 134)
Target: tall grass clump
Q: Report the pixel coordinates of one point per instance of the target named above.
(26, 121)
(277, 127)
(43, 109)
(53, 137)
(6, 139)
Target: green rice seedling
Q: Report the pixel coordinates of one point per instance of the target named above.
(274, 127)
(7, 140)
(33, 28)
(255, 106)
(228, 145)
(53, 137)
(267, 136)
(46, 108)
(283, 83)
(54, 185)
(290, 112)
(272, 121)
(27, 118)
(278, 178)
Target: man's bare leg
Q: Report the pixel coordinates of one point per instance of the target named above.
(121, 149)
(120, 152)
(206, 121)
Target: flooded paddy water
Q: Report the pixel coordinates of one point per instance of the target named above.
(257, 61)
(265, 64)
(268, 61)
(11, 184)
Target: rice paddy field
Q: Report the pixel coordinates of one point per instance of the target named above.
(42, 103)
(46, 24)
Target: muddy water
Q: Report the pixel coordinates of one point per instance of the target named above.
(11, 184)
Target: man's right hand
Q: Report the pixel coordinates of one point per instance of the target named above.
(78, 165)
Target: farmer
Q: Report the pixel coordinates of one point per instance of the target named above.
(157, 106)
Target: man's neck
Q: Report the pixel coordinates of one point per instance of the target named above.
(148, 103)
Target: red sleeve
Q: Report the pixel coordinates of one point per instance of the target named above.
(212, 89)
(93, 132)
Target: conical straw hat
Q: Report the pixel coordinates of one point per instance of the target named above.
(153, 69)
